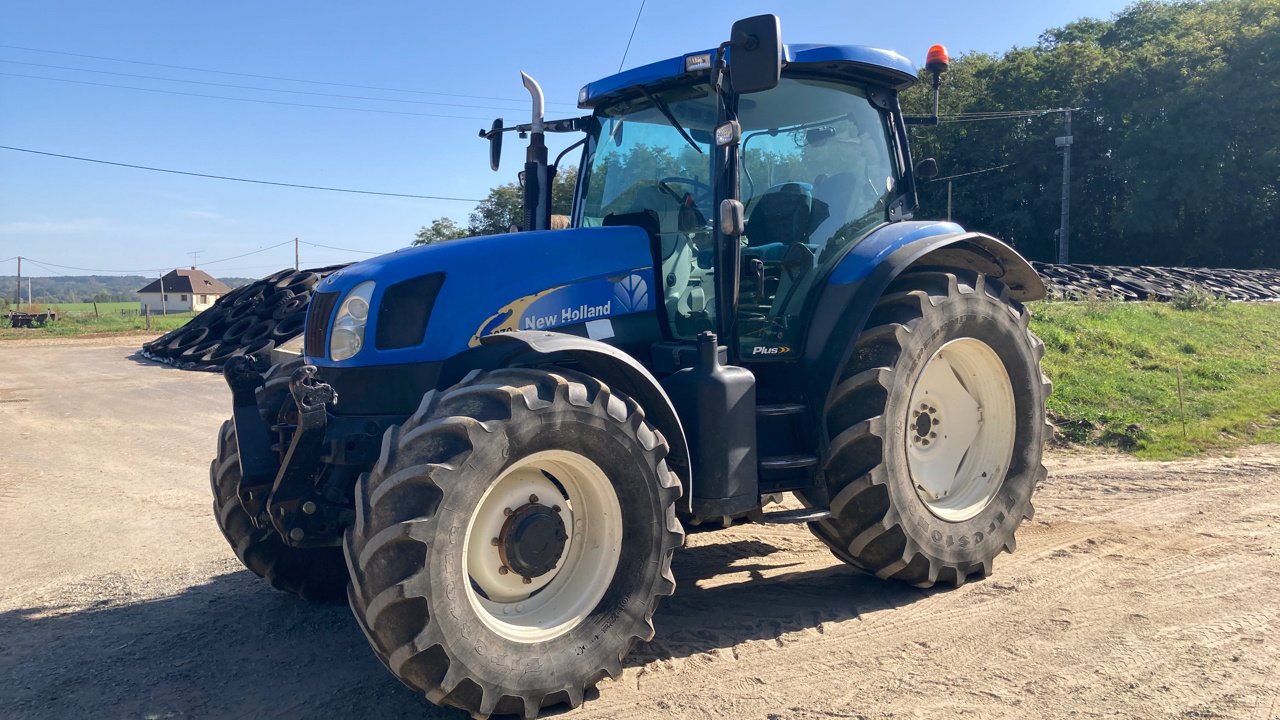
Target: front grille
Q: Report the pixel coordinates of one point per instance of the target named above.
(318, 316)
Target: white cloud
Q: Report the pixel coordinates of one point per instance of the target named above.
(57, 226)
(208, 215)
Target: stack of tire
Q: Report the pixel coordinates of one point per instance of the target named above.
(1158, 284)
(250, 320)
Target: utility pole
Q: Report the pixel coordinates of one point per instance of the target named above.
(1064, 230)
(163, 310)
(17, 289)
(948, 201)
(28, 291)
(295, 253)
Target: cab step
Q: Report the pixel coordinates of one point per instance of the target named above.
(779, 409)
(793, 461)
(802, 515)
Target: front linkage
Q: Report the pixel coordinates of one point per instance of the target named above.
(296, 474)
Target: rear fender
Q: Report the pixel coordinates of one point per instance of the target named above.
(613, 367)
(866, 271)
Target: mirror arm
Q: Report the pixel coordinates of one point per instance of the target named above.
(577, 124)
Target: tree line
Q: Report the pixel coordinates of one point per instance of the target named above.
(83, 288)
(1176, 140)
(1176, 154)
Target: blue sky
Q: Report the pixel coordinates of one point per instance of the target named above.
(93, 216)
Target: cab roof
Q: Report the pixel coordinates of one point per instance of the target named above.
(867, 64)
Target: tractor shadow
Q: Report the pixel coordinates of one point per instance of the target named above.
(233, 647)
(763, 600)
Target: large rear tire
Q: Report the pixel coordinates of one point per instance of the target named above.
(317, 574)
(936, 432)
(513, 540)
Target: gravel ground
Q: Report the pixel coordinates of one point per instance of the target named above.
(1139, 590)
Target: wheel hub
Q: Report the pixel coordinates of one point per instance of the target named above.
(926, 424)
(532, 540)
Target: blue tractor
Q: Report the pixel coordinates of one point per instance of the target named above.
(491, 446)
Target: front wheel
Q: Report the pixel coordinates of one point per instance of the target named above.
(936, 432)
(512, 542)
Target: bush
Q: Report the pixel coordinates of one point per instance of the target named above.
(1198, 298)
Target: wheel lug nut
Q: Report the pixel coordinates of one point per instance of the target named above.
(924, 406)
(526, 581)
(507, 511)
(933, 409)
(933, 435)
(924, 441)
(936, 421)
(915, 413)
(494, 542)
(533, 498)
(503, 570)
(555, 508)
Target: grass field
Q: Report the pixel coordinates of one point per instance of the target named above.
(108, 323)
(83, 308)
(1116, 366)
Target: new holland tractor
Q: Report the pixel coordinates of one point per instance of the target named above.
(490, 446)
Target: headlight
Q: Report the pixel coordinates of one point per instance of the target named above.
(348, 328)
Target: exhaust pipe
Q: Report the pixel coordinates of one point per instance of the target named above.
(537, 172)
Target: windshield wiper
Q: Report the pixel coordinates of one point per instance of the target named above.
(671, 118)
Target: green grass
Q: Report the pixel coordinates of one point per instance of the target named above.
(85, 308)
(108, 323)
(1115, 370)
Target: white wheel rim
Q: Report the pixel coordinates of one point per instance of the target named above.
(960, 429)
(552, 603)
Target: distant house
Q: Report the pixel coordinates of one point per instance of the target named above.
(183, 291)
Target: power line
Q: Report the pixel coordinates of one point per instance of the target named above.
(975, 172)
(55, 272)
(1000, 115)
(254, 252)
(265, 77)
(247, 87)
(236, 179)
(342, 249)
(139, 271)
(631, 37)
(83, 269)
(248, 100)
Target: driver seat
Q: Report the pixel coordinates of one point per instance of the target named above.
(780, 217)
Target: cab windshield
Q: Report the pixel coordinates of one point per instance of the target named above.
(816, 173)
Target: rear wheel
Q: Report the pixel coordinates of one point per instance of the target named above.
(312, 573)
(512, 542)
(936, 432)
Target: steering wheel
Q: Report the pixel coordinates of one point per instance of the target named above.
(664, 185)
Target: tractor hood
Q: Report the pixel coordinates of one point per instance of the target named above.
(485, 285)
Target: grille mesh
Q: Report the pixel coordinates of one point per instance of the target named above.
(318, 322)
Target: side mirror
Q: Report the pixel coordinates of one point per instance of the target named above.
(926, 169)
(495, 144)
(732, 222)
(755, 54)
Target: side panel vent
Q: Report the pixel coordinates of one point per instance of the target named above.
(404, 310)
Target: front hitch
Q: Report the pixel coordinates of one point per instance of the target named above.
(297, 511)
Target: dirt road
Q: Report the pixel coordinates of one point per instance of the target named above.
(1139, 590)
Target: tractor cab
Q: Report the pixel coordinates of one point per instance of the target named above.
(819, 166)
(805, 142)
